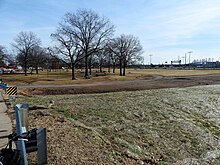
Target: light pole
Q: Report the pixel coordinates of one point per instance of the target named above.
(150, 58)
(183, 60)
(189, 55)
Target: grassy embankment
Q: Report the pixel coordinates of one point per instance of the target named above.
(166, 125)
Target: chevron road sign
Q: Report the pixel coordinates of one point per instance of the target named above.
(11, 91)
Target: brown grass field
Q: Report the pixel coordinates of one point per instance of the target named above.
(64, 77)
(59, 82)
(121, 122)
(156, 127)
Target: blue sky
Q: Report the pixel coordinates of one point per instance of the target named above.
(167, 29)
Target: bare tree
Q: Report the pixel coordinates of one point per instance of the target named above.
(102, 57)
(37, 57)
(2, 55)
(24, 43)
(112, 54)
(68, 46)
(126, 48)
(54, 60)
(133, 50)
(90, 29)
(116, 46)
(6, 57)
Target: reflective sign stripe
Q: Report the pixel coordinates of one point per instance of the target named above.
(11, 91)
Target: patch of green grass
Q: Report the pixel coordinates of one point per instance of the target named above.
(194, 142)
(136, 149)
(65, 112)
(215, 130)
(163, 163)
(101, 114)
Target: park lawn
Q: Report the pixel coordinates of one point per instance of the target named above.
(64, 77)
(163, 126)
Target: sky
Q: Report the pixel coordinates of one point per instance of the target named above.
(167, 29)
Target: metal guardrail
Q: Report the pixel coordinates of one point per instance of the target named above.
(20, 128)
(37, 143)
(3, 85)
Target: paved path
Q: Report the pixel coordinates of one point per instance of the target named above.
(5, 123)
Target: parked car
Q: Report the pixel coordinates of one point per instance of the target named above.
(8, 71)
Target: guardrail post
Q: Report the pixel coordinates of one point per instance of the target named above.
(41, 146)
(20, 130)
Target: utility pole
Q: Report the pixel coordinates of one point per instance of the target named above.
(185, 58)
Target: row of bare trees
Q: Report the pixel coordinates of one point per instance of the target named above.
(124, 49)
(82, 38)
(84, 34)
(80, 35)
(26, 44)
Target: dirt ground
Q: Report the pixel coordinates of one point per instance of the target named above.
(142, 83)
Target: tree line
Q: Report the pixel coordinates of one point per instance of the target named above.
(84, 39)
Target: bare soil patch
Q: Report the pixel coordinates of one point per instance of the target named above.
(142, 83)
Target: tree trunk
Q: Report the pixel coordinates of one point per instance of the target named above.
(36, 68)
(100, 68)
(32, 70)
(90, 65)
(25, 66)
(73, 72)
(113, 68)
(90, 70)
(124, 67)
(86, 66)
(109, 66)
(120, 65)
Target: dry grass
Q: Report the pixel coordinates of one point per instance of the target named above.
(63, 77)
(156, 126)
(172, 72)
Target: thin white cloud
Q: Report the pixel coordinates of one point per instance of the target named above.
(172, 25)
(167, 28)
